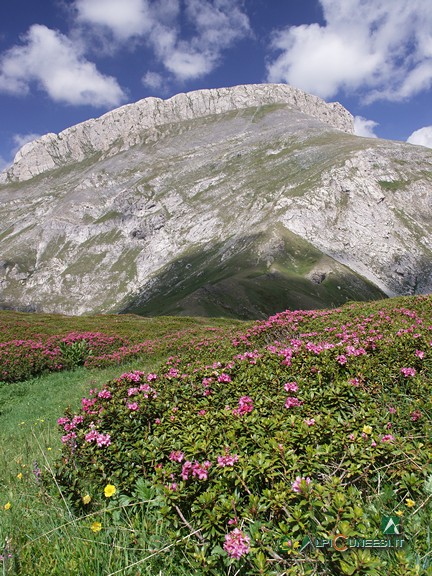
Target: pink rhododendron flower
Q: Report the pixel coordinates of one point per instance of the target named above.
(104, 394)
(236, 544)
(224, 378)
(388, 438)
(351, 437)
(342, 359)
(103, 440)
(415, 415)
(245, 405)
(420, 354)
(228, 459)
(68, 437)
(132, 391)
(309, 421)
(291, 401)
(87, 403)
(186, 470)
(296, 485)
(151, 377)
(176, 456)
(91, 436)
(133, 406)
(291, 387)
(195, 469)
(408, 371)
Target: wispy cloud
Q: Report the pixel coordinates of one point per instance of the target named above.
(364, 127)
(379, 48)
(57, 66)
(422, 137)
(20, 139)
(188, 38)
(155, 81)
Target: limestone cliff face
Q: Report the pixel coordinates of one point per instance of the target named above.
(240, 201)
(122, 128)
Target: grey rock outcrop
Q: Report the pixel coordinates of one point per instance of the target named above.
(122, 128)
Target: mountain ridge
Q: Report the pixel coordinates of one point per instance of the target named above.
(124, 125)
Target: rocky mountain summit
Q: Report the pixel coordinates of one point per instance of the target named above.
(239, 201)
(122, 128)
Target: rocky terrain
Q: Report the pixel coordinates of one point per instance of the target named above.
(240, 201)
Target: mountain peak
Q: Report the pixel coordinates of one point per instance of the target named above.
(124, 127)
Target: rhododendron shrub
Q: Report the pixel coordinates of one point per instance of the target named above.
(275, 439)
(21, 359)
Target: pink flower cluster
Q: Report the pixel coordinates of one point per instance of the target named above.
(292, 401)
(134, 406)
(408, 371)
(297, 484)
(224, 378)
(228, 459)
(236, 544)
(195, 470)
(291, 387)
(101, 439)
(416, 415)
(176, 456)
(309, 421)
(245, 405)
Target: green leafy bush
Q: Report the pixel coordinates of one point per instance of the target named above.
(310, 424)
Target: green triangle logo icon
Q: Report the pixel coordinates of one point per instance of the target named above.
(391, 525)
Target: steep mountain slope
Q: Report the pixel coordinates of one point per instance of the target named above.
(239, 202)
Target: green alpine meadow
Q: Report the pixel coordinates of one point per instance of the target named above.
(295, 445)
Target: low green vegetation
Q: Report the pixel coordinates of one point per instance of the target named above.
(297, 445)
(393, 185)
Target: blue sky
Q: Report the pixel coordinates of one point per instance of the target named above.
(64, 61)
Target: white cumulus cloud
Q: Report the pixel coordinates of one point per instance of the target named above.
(125, 19)
(188, 38)
(381, 48)
(421, 137)
(57, 66)
(364, 127)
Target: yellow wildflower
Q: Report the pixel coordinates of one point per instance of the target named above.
(7, 505)
(86, 499)
(399, 513)
(49, 448)
(109, 490)
(19, 476)
(96, 527)
(410, 503)
(367, 429)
